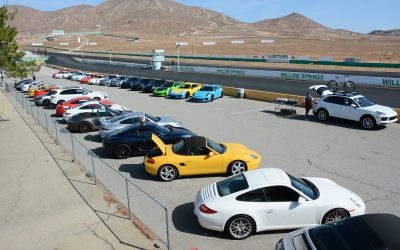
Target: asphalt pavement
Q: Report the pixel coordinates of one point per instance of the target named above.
(382, 95)
(365, 162)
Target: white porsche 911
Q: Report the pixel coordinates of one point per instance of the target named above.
(270, 199)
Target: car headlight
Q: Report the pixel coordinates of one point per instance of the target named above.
(208, 94)
(380, 113)
(253, 156)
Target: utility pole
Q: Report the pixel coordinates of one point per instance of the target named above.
(178, 45)
(110, 56)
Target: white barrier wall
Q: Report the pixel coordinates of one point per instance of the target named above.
(301, 76)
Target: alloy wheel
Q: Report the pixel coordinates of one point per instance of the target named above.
(240, 227)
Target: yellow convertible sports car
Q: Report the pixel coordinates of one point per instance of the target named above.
(186, 90)
(31, 90)
(198, 155)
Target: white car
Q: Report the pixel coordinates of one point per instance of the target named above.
(60, 74)
(270, 199)
(64, 95)
(79, 77)
(90, 106)
(96, 80)
(354, 107)
(26, 86)
(322, 90)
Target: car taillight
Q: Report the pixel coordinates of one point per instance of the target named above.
(204, 209)
(151, 161)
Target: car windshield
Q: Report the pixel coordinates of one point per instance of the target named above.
(232, 185)
(167, 85)
(320, 90)
(185, 86)
(154, 119)
(363, 101)
(51, 92)
(220, 148)
(206, 88)
(304, 186)
(117, 118)
(345, 234)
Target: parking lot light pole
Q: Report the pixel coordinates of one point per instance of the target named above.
(177, 46)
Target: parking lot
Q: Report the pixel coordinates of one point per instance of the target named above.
(365, 162)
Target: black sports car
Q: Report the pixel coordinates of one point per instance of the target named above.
(127, 84)
(152, 85)
(90, 121)
(139, 85)
(136, 139)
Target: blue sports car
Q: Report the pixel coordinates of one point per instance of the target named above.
(208, 93)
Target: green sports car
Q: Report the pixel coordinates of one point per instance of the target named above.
(166, 88)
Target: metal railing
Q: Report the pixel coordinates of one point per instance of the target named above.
(141, 206)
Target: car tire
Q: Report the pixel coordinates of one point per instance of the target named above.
(85, 127)
(335, 215)
(60, 102)
(122, 151)
(167, 173)
(46, 103)
(367, 122)
(240, 227)
(222, 94)
(187, 95)
(236, 167)
(322, 114)
(212, 98)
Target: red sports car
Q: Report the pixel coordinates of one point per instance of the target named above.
(75, 102)
(39, 92)
(86, 80)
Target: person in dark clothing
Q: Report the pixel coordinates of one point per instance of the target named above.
(33, 77)
(308, 104)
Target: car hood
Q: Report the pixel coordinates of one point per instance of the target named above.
(236, 148)
(161, 89)
(202, 93)
(329, 189)
(177, 91)
(383, 109)
(165, 120)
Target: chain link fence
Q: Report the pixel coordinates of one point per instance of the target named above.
(142, 207)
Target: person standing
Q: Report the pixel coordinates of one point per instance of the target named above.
(308, 104)
(33, 77)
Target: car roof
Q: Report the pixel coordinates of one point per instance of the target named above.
(381, 230)
(349, 95)
(267, 176)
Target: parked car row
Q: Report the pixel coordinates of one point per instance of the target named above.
(250, 200)
(176, 90)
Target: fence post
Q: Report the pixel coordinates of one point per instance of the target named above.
(55, 128)
(166, 218)
(94, 171)
(73, 151)
(37, 109)
(127, 196)
(47, 125)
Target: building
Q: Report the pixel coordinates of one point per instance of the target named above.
(57, 32)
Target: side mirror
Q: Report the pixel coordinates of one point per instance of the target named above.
(301, 200)
(353, 105)
(211, 153)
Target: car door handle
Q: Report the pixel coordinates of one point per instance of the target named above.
(270, 211)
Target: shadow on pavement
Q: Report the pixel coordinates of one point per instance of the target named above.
(136, 171)
(331, 122)
(93, 138)
(185, 221)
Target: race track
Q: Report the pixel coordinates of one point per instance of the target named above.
(382, 95)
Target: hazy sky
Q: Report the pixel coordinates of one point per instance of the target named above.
(356, 15)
